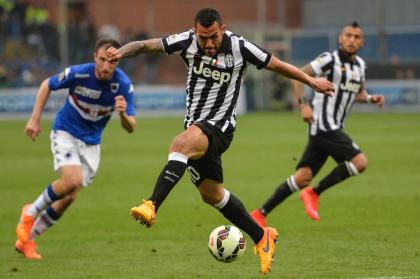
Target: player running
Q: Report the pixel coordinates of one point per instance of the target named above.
(216, 61)
(96, 90)
(326, 116)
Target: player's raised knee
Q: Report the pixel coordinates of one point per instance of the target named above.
(360, 162)
(303, 177)
(180, 144)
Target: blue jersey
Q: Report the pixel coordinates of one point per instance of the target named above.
(90, 102)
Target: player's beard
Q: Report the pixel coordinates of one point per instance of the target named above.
(351, 50)
(104, 75)
(349, 53)
(210, 51)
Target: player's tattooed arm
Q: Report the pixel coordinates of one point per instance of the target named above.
(134, 48)
(137, 47)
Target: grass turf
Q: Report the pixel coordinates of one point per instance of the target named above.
(370, 224)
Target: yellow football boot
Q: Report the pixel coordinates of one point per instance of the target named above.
(145, 212)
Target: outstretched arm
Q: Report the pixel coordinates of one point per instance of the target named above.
(134, 48)
(298, 87)
(33, 127)
(320, 85)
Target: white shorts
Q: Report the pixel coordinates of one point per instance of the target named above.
(68, 150)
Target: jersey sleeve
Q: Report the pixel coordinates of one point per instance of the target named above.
(253, 54)
(62, 80)
(364, 74)
(322, 64)
(128, 93)
(177, 42)
(363, 69)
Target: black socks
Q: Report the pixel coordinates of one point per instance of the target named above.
(233, 209)
(168, 178)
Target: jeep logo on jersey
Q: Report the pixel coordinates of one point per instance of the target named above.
(114, 87)
(350, 87)
(229, 60)
(215, 74)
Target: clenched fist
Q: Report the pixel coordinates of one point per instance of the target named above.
(120, 104)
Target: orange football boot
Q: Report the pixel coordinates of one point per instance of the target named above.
(310, 200)
(145, 212)
(28, 249)
(24, 227)
(265, 249)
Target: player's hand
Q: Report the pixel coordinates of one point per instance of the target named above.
(120, 104)
(323, 86)
(32, 128)
(113, 54)
(306, 113)
(378, 100)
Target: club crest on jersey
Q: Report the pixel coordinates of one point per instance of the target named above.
(114, 87)
(64, 74)
(229, 60)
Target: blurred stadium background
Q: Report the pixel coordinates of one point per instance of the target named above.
(39, 37)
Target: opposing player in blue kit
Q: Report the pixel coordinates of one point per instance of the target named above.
(96, 90)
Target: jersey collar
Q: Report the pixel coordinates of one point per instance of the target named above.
(345, 58)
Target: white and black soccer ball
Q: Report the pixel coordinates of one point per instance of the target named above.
(226, 243)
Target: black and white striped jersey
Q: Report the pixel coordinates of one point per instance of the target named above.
(213, 84)
(348, 77)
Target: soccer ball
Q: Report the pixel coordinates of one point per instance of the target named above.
(226, 243)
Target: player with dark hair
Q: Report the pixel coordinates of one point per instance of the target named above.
(216, 61)
(95, 91)
(326, 115)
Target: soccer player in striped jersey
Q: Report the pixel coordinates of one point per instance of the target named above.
(216, 61)
(326, 116)
(95, 90)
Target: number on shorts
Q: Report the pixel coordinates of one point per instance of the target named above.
(195, 175)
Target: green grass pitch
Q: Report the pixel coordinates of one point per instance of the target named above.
(369, 228)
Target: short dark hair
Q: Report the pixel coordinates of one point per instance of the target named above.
(207, 17)
(107, 42)
(354, 24)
